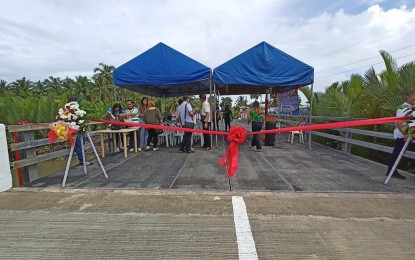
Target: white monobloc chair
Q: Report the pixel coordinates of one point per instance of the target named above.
(299, 133)
(177, 137)
(164, 137)
(197, 136)
(278, 125)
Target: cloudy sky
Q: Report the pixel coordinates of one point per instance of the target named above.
(68, 38)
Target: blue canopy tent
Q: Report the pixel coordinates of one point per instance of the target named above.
(260, 68)
(263, 69)
(163, 72)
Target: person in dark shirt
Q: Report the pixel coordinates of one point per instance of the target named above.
(227, 116)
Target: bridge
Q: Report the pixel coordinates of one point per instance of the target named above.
(300, 204)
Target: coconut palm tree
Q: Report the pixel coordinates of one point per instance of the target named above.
(54, 85)
(82, 86)
(40, 89)
(241, 102)
(21, 87)
(383, 91)
(68, 84)
(3, 86)
(104, 72)
(102, 90)
(226, 101)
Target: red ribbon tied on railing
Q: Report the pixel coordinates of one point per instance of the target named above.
(236, 136)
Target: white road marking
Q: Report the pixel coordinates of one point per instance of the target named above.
(246, 243)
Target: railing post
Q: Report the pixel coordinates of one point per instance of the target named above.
(30, 173)
(346, 146)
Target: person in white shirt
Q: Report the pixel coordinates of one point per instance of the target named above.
(399, 134)
(206, 118)
(186, 116)
(131, 115)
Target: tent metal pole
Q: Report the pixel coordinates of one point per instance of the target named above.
(214, 109)
(310, 115)
(210, 98)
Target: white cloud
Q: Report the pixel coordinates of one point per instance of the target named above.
(66, 38)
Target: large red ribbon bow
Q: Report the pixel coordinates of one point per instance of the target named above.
(236, 136)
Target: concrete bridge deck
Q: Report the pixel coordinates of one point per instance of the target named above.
(291, 167)
(301, 204)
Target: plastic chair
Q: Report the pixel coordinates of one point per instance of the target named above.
(299, 133)
(278, 125)
(177, 137)
(198, 136)
(164, 135)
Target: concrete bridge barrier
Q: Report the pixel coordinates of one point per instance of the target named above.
(5, 174)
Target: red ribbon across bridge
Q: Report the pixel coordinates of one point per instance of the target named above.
(237, 134)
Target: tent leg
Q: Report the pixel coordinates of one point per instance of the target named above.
(216, 105)
(310, 116)
(398, 159)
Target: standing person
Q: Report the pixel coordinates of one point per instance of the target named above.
(399, 134)
(152, 116)
(143, 131)
(114, 113)
(227, 115)
(256, 116)
(205, 118)
(78, 146)
(131, 115)
(186, 115)
(217, 118)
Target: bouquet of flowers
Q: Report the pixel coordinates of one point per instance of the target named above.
(70, 122)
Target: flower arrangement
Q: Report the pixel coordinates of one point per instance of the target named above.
(70, 121)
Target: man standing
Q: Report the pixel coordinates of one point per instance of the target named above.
(206, 119)
(186, 115)
(131, 115)
(399, 134)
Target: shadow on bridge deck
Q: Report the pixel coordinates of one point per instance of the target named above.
(291, 167)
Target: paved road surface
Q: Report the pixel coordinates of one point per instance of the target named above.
(177, 224)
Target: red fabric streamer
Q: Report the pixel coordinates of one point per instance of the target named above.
(170, 128)
(363, 122)
(236, 136)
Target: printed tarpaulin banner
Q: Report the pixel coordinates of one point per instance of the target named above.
(288, 103)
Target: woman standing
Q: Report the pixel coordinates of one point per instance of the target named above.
(152, 116)
(143, 131)
(257, 118)
(114, 114)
